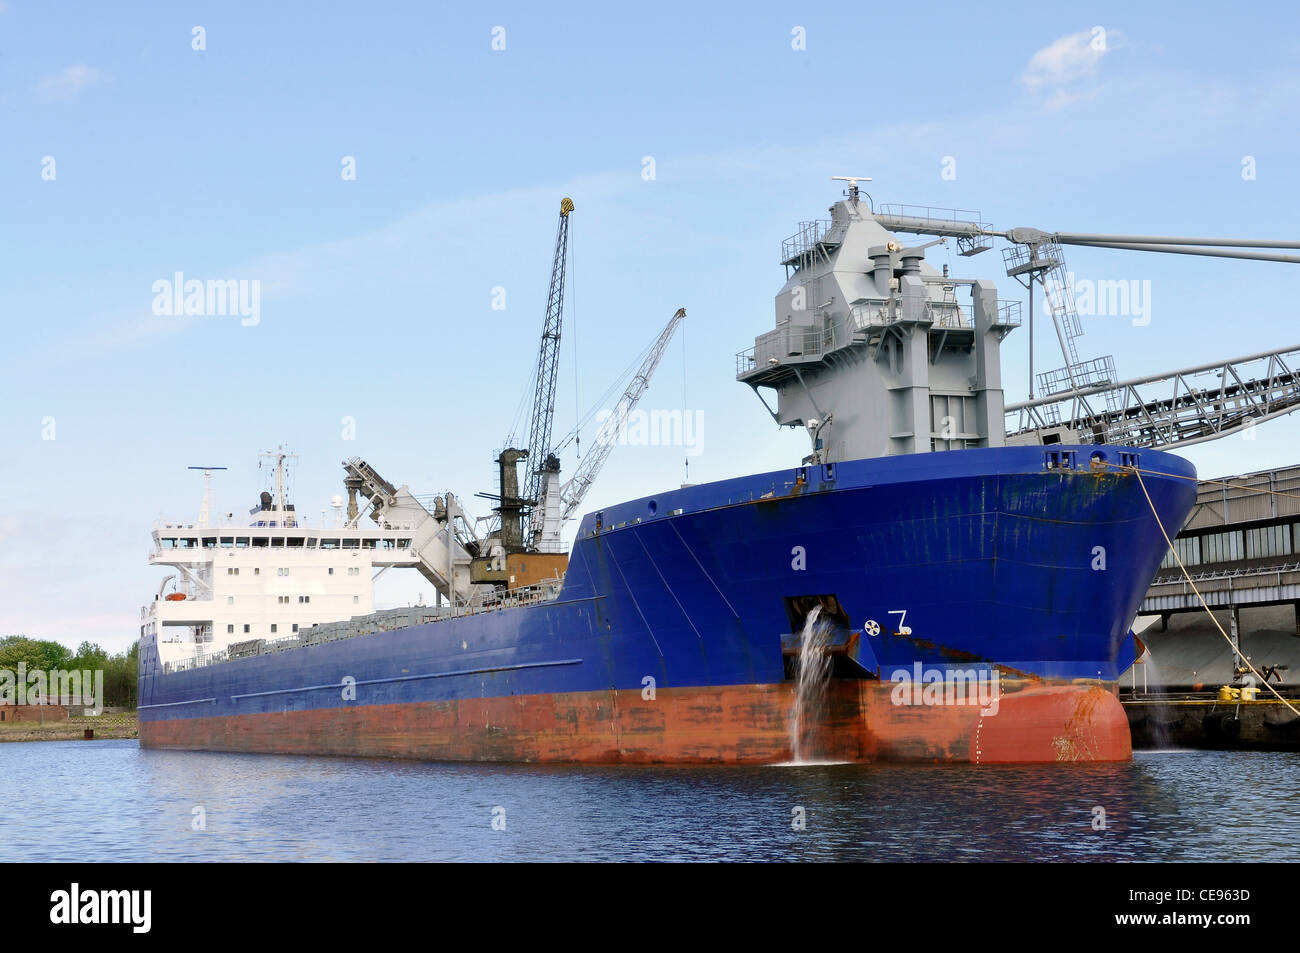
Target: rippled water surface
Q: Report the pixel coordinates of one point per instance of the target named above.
(112, 800)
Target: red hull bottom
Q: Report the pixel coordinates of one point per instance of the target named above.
(744, 724)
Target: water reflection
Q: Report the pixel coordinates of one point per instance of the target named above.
(114, 801)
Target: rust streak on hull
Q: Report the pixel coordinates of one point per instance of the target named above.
(744, 724)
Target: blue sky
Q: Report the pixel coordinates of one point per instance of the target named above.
(224, 163)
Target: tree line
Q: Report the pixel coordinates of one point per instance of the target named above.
(48, 656)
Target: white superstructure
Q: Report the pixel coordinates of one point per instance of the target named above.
(265, 578)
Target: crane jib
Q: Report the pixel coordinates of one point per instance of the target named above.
(548, 359)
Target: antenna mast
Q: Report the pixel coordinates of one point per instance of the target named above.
(279, 455)
(207, 493)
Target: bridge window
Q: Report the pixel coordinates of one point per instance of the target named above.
(227, 542)
(209, 542)
(351, 544)
(294, 542)
(329, 544)
(277, 541)
(259, 541)
(168, 543)
(403, 544)
(241, 542)
(369, 543)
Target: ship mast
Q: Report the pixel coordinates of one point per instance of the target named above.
(207, 494)
(279, 455)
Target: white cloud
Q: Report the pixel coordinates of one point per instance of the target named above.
(1069, 59)
(67, 85)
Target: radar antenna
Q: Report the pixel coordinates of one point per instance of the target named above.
(853, 181)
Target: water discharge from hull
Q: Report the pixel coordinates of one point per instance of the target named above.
(814, 670)
(1158, 719)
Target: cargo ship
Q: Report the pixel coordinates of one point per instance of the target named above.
(912, 589)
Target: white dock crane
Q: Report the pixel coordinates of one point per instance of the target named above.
(560, 502)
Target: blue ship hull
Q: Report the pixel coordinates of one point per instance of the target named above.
(670, 638)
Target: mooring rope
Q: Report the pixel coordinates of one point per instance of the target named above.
(1198, 480)
(1186, 575)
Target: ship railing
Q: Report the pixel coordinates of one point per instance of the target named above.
(182, 553)
(295, 526)
(1098, 372)
(942, 314)
(282, 642)
(805, 240)
(199, 661)
(1009, 314)
(948, 313)
(874, 314)
(935, 213)
(543, 591)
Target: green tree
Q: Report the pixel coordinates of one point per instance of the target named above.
(38, 654)
(89, 655)
(120, 669)
(120, 673)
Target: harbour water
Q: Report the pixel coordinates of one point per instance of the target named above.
(112, 800)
